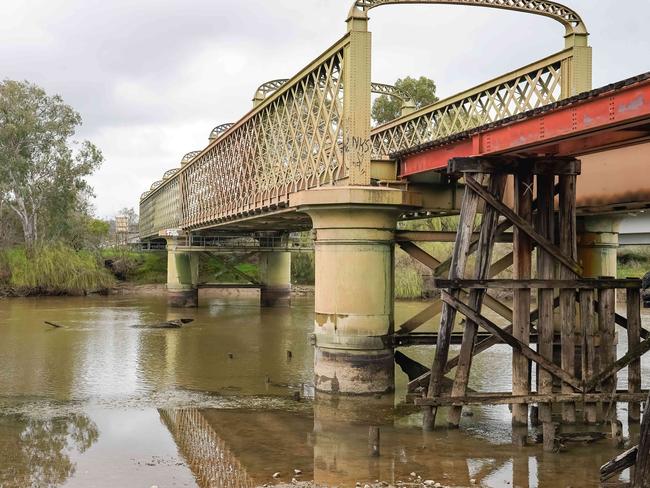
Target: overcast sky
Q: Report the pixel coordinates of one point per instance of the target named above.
(151, 78)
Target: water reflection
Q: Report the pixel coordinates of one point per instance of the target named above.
(329, 444)
(36, 451)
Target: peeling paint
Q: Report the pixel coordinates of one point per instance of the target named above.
(635, 104)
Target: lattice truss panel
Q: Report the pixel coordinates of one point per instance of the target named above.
(528, 91)
(163, 211)
(293, 142)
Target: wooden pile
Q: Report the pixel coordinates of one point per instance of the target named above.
(586, 373)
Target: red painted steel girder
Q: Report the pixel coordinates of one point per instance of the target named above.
(615, 116)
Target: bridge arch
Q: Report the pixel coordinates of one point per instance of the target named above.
(569, 18)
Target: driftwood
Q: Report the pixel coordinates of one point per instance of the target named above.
(619, 463)
(52, 324)
(170, 324)
(587, 437)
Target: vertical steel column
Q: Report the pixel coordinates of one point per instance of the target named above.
(356, 99)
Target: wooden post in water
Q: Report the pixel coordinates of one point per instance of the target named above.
(569, 248)
(522, 248)
(641, 477)
(633, 300)
(486, 240)
(469, 207)
(588, 325)
(373, 441)
(545, 326)
(606, 325)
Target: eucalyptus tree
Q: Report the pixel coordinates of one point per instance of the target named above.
(42, 168)
(422, 91)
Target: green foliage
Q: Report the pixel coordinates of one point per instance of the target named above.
(633, 261)
(214, 269)
(421, 90)
(408, 277)
(53, 269)
(302, 268)
(139, 267)
(42, 169)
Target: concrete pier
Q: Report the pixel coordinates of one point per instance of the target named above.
(275, 275)
(354, 286)
(598, 245)
(182, 275)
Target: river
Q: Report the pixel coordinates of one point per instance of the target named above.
(99, 403)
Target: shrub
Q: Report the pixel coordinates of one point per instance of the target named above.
(54, 269)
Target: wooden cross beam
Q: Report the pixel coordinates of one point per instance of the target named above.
(513, 342)
(484, 345)
(510, 165)
(523, 226)
(613, 368)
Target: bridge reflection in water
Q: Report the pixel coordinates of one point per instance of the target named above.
(329, 444)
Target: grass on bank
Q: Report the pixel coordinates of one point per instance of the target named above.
(53, 269)
(138, 267)
(633, 261)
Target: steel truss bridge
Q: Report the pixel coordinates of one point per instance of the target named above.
(313, 131)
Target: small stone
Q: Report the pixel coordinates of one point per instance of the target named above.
(231, 355)
(276, 475)
(413, 475)
(294, 481)
(472, 481)
(437, 485)
(429, 482)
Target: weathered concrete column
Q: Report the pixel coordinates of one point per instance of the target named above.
(182, 274)
(275, 275)
(354, 285)
(598, 244)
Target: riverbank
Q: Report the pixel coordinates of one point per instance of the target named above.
(126, 288)
(57, 270)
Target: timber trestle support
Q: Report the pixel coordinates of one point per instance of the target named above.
(575, 355)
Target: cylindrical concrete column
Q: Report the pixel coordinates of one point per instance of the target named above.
(182, 276)
(354, 285)
(597, 245)
(275, 274)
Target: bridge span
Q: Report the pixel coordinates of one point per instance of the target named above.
(307, 157)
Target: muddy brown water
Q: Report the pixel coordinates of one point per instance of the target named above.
(101, 404)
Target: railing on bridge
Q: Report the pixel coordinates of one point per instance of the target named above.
(528, 88)
(314, 129)
(293, 140)
(232, 243)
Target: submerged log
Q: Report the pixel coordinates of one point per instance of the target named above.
(52, 324)
(170, 324)
(587, 437)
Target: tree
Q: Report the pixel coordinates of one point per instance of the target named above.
(42, 171)
(421, 90)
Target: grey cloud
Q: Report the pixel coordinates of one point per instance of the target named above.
(151, 78)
